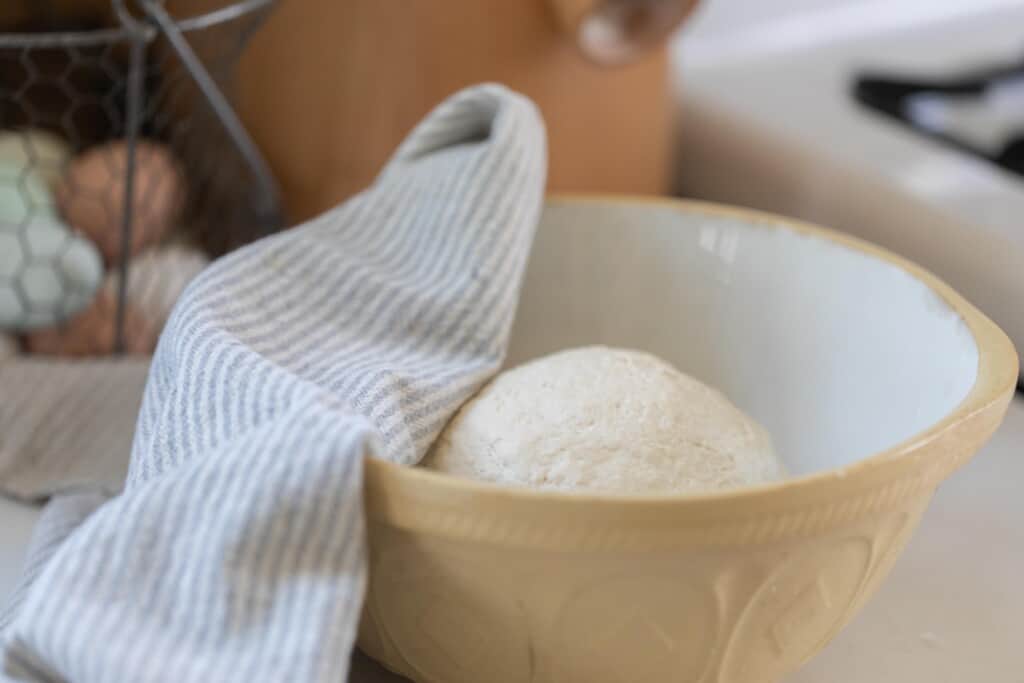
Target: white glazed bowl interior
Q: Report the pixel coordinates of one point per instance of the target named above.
(838, 354)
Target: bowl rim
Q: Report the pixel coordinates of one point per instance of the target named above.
(406, 496)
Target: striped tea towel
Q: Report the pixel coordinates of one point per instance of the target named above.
(236, 551)
(67, 423)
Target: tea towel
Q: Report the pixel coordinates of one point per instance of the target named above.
(67, 423)
(236, 551)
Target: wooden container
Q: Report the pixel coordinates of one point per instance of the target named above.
(329, 88)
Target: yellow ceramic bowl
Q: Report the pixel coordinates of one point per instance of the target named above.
(876, 379)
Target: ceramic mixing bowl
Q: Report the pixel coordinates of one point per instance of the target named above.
(876, 380)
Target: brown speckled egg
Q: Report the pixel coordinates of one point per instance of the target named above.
(92, 332)
(92, 193)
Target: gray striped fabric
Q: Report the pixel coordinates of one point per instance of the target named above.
(61, 517)
(236, 551)
(66, 423)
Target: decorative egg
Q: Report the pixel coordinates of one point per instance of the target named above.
(157, 277)
(24, 196)
(40, 151)
(94, 331)
(91, 196)
(47, 273)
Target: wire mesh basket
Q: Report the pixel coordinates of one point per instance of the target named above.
(123, 171)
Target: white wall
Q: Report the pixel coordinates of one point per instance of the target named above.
(723, 29)
(715, 17)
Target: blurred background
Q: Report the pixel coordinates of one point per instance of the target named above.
(914, 103)
(897, 121)
(139, 139)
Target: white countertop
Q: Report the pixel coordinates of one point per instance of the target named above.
(768, 121)
(803, 95)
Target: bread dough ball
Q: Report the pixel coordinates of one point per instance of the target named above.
(604, 420)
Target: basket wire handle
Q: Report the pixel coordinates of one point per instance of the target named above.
(266, 200)
(268, 196)
(140, 37)
(134, 114)
(127, 19)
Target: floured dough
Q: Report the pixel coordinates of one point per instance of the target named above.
(608, 420)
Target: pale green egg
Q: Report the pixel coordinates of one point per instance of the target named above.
(47, 272)
(24, 196)
(42, 152)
